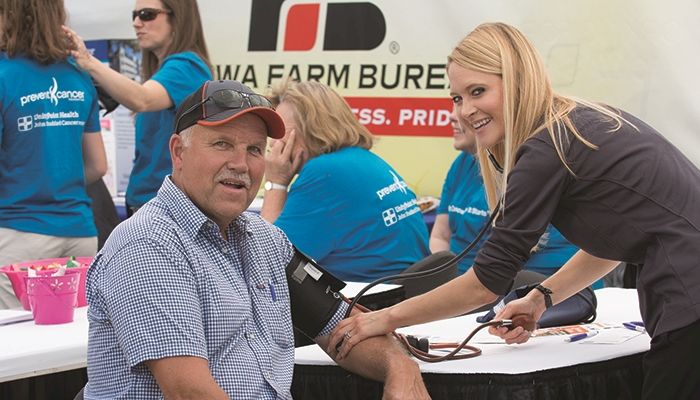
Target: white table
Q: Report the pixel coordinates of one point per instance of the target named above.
(27, 349)
(353, 288)
(537, 356)
(614, 306)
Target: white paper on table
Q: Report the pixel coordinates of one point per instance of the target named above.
(612, 336)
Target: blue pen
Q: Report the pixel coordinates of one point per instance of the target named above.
(634, 326)
(273, 294)
(580, 336)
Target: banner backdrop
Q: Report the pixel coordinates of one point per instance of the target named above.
(387, 59)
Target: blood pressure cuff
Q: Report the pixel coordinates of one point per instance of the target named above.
(314, 294)
(579, 308)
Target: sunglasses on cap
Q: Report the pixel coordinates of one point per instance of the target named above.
(148, 14)
(228, 99)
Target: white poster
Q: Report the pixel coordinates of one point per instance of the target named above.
(387, 58)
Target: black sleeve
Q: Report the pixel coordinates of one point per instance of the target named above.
(535, 186)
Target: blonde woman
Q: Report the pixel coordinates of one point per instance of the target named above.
(610, 183)
(348, 209)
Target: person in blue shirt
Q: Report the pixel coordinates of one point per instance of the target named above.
(175, 62)
(50, 141)
(348, 209)
(463, 211)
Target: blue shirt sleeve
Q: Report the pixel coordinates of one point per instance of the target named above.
(155, 312)
(92, 124)
(2, 122)
(304, 218)
(178, 72)
(2, 105)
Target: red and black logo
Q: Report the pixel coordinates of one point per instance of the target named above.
(348, 26)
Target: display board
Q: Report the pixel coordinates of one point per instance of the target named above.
(387, 58)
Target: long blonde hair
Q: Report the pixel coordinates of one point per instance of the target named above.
(529, 102)
(325, 122)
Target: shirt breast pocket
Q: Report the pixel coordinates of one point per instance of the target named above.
(273, 309)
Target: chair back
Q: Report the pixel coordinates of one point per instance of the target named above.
(417, 286)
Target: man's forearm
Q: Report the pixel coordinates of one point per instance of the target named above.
(382, 358)
(376, 357)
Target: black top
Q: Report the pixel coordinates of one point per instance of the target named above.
(634, 199)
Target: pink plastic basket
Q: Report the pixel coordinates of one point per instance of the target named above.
(53, 298)
(17, 273)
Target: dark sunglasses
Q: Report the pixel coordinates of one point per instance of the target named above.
(232, 99)
(148, 14)
(229, 99)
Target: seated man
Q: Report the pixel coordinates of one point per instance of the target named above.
(189, 297)
(463, 211)
(348, 208)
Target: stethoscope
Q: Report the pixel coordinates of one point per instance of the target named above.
(411, 342)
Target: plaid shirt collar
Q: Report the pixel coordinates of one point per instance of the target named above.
(193, 219)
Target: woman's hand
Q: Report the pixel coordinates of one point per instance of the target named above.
(524, 307)
(357, 328)
(283, 160)
(79, 51)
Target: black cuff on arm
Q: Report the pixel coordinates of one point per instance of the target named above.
(546, 292)
(314, 294)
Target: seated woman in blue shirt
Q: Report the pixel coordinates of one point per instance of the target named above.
(463, 211)
(348, 209)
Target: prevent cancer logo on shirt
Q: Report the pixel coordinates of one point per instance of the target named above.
(397, 185)
(53, 95)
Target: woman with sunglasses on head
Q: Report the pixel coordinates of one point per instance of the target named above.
(50, 141)
(610, 183)
(175, 62)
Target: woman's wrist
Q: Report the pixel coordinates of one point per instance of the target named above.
(538, 300)
(91, 64)
(278, 179)
(394, 317)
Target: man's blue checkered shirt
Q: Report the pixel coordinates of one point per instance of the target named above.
(167, 284)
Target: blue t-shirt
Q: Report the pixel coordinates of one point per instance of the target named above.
(45, 111)
(464, 200)
(180, 74)
(351, 212)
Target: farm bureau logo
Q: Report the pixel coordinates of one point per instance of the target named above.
(339, 33)
(53, 95)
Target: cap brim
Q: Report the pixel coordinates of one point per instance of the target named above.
(275, 125)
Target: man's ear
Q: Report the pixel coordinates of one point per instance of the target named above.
(176, 148)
